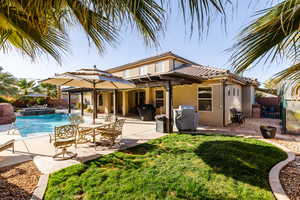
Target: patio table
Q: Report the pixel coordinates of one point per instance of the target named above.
(93, 127)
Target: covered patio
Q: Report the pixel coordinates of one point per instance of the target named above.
(150, 89)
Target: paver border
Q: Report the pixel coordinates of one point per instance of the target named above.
(274, 173)
(40, 190)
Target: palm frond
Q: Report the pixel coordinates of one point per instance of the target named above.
(201, 12)
(273, 35)
(291, 76)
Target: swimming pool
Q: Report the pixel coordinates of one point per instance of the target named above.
(40, 124)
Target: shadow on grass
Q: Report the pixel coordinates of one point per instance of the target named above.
(246, 162)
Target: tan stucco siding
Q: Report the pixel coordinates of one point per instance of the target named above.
(177, 64)
(150, 69)
(87, 98)
(188, 95)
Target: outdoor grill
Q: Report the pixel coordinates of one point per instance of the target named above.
(186, 118)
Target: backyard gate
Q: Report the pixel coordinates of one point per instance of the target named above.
(290, 116)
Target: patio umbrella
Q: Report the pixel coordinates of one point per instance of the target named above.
(90, 78)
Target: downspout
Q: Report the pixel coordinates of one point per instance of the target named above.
(224, 102)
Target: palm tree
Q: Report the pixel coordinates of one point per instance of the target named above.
(48, 89)
(25, 85)
(41, 27)
(7, 84)
(274, 35)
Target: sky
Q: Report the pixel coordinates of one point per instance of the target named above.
(210, 50)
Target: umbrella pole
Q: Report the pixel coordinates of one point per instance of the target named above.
(94, 103)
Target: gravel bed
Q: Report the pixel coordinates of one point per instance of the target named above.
(18, 182)
(292, 145)
(290, 179)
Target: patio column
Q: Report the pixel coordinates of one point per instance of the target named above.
(169, 105)
(81, 103)
(147, 95)
(69, 102)
(115, 102)
(124, 103)
(107, 103)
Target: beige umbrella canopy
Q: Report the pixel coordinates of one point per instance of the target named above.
(90, 78)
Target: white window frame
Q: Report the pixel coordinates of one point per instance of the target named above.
(126, 73)
(212, 97)
(162, 63)
(143, 70)
(162, 99)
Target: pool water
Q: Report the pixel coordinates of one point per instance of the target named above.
(40, 124)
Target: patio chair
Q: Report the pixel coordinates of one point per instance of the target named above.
(237, 117)
(111, 131)
(84, 135)
(8, 144)
(64, 137)
(108, 118)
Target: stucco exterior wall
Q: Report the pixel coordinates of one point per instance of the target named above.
(188, 95)
(133, 72)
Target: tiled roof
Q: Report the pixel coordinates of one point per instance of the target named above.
(206, 72)
(201, 71)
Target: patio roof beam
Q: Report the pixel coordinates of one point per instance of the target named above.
(69, 102)
(169, 105)
(81, 103)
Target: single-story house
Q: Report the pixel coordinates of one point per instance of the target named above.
(168, 80)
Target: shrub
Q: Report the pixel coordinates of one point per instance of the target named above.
(41, 101)
(89, 109)
(4, 100)
(78, 105)
(57, 103)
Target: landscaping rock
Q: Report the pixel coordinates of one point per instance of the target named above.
(17, 182)
(7, 115)
(290, 179)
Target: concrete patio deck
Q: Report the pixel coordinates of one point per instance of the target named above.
(135, 132)
(41, 151)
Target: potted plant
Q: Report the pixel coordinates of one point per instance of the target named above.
(268, 131)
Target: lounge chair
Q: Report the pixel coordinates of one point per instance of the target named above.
(7, 145)
(111, 131)
(64, 137)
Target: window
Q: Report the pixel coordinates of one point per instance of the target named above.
(229, 92)
(159, 98)
(100, 100)
(233, 92)
(205, 99)
(237, 92)
(159, 67)
(143, 70)
(126, 73)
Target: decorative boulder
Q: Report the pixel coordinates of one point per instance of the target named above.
(7, 115)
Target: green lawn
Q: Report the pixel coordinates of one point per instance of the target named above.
(173, 167)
